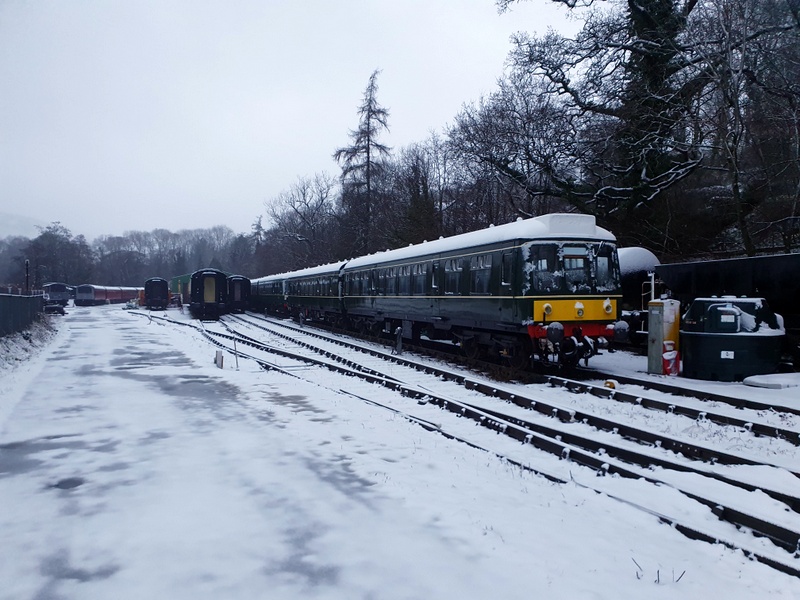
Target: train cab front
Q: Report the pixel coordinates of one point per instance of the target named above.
(574, 290)
(570, 330)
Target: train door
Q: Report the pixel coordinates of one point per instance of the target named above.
(209, 289)
(507, 286)
(435, 289)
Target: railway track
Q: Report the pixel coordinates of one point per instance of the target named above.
(606, 446)
(769, 429)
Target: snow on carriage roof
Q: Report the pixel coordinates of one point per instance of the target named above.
(552, 226)
(555, 225)
(318, 270)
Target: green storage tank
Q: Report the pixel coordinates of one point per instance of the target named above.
(729, 338)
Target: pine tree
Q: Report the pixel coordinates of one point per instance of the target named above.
(362, 163)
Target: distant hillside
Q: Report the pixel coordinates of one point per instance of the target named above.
(11, 225)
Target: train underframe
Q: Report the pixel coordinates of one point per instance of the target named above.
(563, 345)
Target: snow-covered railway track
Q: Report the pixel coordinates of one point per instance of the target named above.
(607, 455)
(748, 424)
(631, 432)
(758, 418)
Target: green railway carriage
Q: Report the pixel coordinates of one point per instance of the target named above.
(312, 293)
(180, 285)
(547, 286)
(267, 295)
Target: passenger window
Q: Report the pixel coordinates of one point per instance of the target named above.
(419, 279)
(480, 272)
(452, 276)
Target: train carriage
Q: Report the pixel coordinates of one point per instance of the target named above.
(315, 293)
(179, 287)
(92, 295)
(548, 286)
(208, 294)
(312, 293)
(89, 295)
(57, 293)
(156, 293)
(239, 289)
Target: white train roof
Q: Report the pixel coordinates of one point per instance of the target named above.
(562, 226)
(310, 271)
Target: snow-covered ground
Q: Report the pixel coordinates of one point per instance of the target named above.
(132, 467)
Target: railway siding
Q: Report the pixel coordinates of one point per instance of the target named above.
(602, 457)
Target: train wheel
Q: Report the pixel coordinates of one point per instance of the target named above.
(362, 327)
(470, 348)
(519, 358)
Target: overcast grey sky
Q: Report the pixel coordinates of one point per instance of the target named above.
(135, 115)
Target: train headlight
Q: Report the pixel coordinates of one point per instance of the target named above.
(608, 306)
(548, 309)
(579, 309)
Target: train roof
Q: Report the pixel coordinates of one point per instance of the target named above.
(561, 226)
(331, 268)
(209, 270)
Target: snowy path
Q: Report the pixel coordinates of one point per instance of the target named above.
(130, 467)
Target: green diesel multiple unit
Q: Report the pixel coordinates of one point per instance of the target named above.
(547, 286)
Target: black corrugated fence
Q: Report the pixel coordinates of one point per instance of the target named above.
(18, 312)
